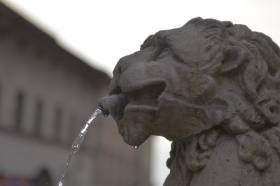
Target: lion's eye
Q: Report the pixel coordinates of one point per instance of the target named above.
(162, 53)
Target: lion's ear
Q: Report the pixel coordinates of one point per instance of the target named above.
(233, 57)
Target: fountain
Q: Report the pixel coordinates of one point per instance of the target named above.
(212, 88)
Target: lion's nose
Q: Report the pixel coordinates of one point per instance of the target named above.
(113, 105)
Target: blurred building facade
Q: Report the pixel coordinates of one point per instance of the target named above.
(46, 94)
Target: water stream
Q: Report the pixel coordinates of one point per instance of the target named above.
(77, 144)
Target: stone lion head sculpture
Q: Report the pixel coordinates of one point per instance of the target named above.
(206, 77)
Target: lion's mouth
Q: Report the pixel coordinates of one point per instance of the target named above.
(144, 97)
(142, 104)
(141, 97)
(133, 107)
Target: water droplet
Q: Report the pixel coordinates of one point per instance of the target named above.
(135, 147)
(75, 148)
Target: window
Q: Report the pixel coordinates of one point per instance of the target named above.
(38, 117)
(73, 130)
(57, 124)
(19, 106)
(1, 100)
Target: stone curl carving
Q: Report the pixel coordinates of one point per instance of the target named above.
(211, 87)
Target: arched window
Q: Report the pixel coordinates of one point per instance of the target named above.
(73, 128)
(19, 107)
(57, 123)
(38, 117)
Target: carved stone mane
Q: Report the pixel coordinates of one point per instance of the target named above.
(212, 87)
(252, 123)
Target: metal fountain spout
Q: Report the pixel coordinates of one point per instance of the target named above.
(112, 105)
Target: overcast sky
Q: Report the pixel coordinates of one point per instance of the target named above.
(103, 31)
